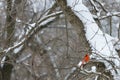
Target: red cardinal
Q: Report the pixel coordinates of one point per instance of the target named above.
(85, 59)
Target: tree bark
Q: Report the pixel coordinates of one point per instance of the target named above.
(78, 26)
(10, 22)
(10, 26)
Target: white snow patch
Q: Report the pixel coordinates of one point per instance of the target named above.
(117, 25)
(73, 3)
(32, 25)
(2, 61)
(49, 48)
(109, 14)
(18, 20)
(79, 64)
(16, 50)
(48, 20)
(93, 69)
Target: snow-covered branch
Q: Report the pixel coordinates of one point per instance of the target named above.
(109, 14)
(43, 19)
(43, 22)
(101, 42)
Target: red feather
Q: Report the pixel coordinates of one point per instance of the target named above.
(86, 59)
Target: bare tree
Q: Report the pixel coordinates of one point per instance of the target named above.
(45, 40)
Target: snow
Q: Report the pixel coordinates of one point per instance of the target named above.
(15, 46)
(23, 59)
(28, 27)
(93, 68)
(79, 64)
(16, 50)
(18, 20)
(48, 20)
(49, 48)
(109, 14)
(43, 21)
(32, 25)
(100, 42)
(2, 61)
(117, 25)
(73, 2)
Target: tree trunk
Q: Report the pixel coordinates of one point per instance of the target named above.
(10, 26)
(78, 26)
(10, 22)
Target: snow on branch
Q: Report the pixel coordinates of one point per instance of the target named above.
(95, 7)
(49, 16)
(109, 14)
(98, 39)
(100, 42)
(101, 5)
(31, 31)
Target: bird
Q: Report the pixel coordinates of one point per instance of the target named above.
(86, 59)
